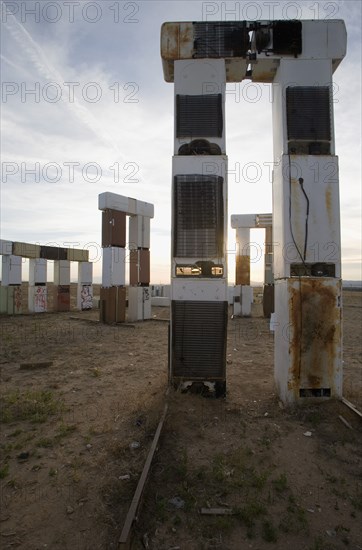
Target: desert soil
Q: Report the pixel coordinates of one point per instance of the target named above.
(75, 433)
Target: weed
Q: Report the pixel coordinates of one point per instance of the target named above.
(16, 433)
(314, 417)
(201, 473)
(258, 480)
(269, 532)
(280, 484)
(218, 467)
(294, 520)
(320, 544)
(34, 406)
(4, 471)
(331, 478)
(249, 513)
(53, 472)
(177, 520)
(45, 442)
(357, 501)
(265, 441)
(13, 484)
(223, 523)
(95, 371)
(64, 430)
(161, 508)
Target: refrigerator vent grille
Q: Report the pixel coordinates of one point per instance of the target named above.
(199, 218)
(199, 115)
(199, 339)
(309, 113)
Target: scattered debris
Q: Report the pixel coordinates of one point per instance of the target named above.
(342, 419)
(351, 406)
(88, 446)
(35, 365)
(125, 476)
(308, 434)
(217, 511)
(145, 542)
(177, 502)
(23, 456)
(135, 445)
(70, 510)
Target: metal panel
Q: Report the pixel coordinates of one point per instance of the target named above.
(113, 228)
(113, 304)
(37, 299)
(125, 204)
(308, 359)
(26, 250)
(84, 297)
(306, 218)
(11, 270)
(62, 272)
(139, 267)
(4, 299)
(113, 266)
(246, 298)
(77, 255)
(14, 300)
(243, 221)
(61, 300)
(268, 300)
(139, 232)
(199, 216)
(139, 303)
(53, 253)
(199, 115)
(199, 289)
(144, 272)
(85, 273)
(199, 340)
(242, 272)
(37, 271)
(6, 247)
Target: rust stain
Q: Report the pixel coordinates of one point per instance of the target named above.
(328, 197)
(316, 318)
(242, 276)
(186, 36)
(170, 41)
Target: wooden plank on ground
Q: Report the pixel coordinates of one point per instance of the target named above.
(125, 538)
(351, 406)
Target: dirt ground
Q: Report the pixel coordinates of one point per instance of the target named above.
(76, 431)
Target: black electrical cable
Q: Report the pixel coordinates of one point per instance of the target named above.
(306, 218)
(290, 218)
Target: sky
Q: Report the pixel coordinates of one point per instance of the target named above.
(85, 109)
